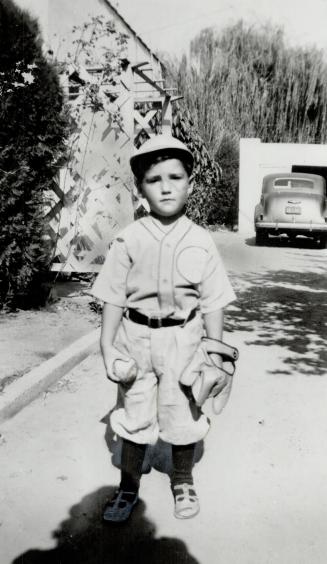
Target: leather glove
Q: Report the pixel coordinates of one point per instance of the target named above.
(208, 378)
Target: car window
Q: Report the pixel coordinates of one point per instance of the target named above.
(293, 183)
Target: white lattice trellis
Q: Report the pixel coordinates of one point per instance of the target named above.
(91, 206)
(95, 196)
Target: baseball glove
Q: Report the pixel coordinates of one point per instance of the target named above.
(208, 379)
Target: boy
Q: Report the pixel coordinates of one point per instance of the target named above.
(162, 283)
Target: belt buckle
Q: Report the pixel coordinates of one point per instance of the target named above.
(155, 322)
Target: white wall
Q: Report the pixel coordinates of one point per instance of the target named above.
(258, 159)
(57, 18)
(98, 183)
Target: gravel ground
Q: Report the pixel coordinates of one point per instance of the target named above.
(27, 338)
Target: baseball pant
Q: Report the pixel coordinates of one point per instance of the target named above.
(155, 404)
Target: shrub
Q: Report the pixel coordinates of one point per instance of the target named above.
(33, 127)
(204, 203)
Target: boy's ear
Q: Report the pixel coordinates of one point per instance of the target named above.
(138, 185)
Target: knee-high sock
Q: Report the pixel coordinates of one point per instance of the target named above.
(183, 456)
(131, 465)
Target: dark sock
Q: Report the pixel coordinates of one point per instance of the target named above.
(183, 456)
(131, 465)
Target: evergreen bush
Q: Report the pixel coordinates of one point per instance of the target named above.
(33, 128)
(202, 205)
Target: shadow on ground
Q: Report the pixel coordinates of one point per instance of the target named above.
(288, 309)
(84, 539)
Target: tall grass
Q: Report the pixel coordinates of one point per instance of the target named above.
(246, 82)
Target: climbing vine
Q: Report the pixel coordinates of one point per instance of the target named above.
(90, 74)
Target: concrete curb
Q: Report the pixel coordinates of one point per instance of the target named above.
(24, 390)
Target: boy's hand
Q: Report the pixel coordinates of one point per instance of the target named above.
(216, 359)
(225, 360)
(120, 368)
(210, 372)
(223, 379)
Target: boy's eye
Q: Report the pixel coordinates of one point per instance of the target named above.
(152, 179)
(158, 178)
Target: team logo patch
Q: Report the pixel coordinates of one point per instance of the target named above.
(191, 263)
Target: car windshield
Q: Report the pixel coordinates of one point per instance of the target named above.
(287, 183)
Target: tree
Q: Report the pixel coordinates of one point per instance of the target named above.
(33, 128)
(246, 82)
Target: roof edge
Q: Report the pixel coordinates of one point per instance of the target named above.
(133, 31)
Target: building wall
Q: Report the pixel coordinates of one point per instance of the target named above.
(57, 18)
(258, 159)
(94, 198)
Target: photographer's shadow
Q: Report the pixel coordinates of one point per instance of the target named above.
(85, 539)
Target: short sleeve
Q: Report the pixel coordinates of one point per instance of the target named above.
(216, 291)
(110, 284)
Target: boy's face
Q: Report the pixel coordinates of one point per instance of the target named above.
(166, 186)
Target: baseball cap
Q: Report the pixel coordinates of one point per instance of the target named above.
(165, 144)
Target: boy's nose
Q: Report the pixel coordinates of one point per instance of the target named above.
(165, 186)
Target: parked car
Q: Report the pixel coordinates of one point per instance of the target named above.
(292, 204)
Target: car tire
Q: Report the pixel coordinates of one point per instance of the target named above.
(261, 238)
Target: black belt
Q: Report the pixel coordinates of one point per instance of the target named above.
(156, 322)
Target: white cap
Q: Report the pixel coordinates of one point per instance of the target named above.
(161, 144)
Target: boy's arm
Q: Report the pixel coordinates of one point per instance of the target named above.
(111, 318)
(214, 325)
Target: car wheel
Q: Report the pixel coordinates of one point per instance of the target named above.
(261, 238)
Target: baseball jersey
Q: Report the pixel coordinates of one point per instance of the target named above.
(164, 273)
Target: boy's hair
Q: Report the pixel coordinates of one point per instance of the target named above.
(157, 149)
(147, 161)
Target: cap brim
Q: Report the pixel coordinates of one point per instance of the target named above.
(137, 161)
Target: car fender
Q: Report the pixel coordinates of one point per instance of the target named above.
(258, 210)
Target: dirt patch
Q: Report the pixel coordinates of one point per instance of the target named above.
(27, 338)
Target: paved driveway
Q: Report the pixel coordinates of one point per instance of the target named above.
(261, 476)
